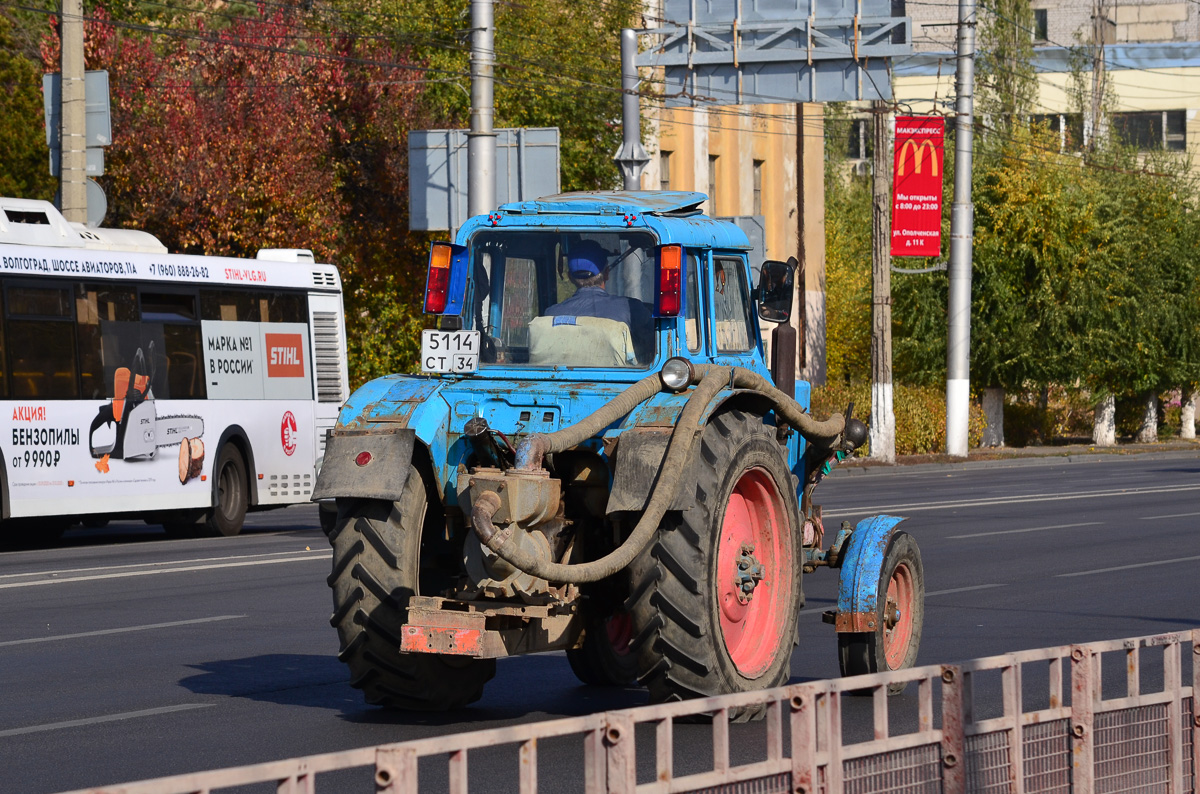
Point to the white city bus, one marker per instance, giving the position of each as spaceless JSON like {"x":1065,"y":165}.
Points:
{"x":181,"y":389}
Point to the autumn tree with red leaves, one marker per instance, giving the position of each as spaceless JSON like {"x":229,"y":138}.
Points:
{"x":271,"y":133}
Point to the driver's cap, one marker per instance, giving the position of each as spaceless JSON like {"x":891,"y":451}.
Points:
{"x":587,"y":259}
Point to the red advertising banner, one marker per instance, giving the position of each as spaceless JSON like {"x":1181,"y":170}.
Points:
{"x":917,"y":186}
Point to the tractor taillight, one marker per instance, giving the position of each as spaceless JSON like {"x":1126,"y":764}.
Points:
{"x":437,"y":284}
{"x":670,"y":281}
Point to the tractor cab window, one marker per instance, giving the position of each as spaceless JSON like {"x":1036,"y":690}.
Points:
{"x":731,"y":306}
{"x":571,"y":299}
{"x":691,"y":306}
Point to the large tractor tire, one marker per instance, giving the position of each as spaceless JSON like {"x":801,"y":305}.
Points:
{"x":376,"y":562}
{"x":605,"y":658}
{"x":901,"y":614}
{"x":715,"y":595}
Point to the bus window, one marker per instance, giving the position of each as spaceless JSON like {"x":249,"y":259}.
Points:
{"x":169,"y":322}
{"x":231,"y":306}
{"x":41,"y":342}
{"x":108,"y":335}
{"x":3,"y":366}
{"x":286,"y":307}
{"x":168,"y":306}
{"x":185,"y":362}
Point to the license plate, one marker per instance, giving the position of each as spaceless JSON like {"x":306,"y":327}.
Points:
{"x":453,"y":352}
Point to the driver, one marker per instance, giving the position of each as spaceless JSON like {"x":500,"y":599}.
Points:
{"x":587,"y":267}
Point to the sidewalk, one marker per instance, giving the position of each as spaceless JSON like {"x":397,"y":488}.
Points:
{"x":1005,"y":457}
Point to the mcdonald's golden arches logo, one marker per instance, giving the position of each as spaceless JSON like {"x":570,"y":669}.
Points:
{"x":917,"y":152}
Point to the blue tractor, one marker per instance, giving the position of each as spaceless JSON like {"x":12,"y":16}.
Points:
{"x":597,"y":458}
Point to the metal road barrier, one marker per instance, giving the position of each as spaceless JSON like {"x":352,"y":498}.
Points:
{"x":1067,"y":719}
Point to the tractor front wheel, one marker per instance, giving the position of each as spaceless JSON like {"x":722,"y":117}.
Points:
{"x":376,"y":561}
{"x":716,"y":593}
{"x":900,"y":615}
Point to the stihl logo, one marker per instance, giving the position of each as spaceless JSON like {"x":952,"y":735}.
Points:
{"x":285,"y":355}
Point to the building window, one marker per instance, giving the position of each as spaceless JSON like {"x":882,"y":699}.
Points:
{"x":1152,"y":130}
{"x":1174,"y":126}
{"x":664,"y":170}
{"x":712,"y":183}
{"x":898,"y":10}
{"x":1041,"y":25}
{"x":1069,"y":127}
{"x":859,"y":145}
{"x":758,"y":177}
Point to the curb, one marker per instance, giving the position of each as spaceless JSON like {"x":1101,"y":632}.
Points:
{"x":1013,"y":462}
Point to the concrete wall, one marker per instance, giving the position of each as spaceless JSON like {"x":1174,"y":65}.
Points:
{"x":1153,"y":21}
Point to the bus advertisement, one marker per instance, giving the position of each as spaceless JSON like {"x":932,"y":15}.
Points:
{"x":181,"y":389}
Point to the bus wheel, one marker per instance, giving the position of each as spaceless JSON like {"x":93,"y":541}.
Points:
{"x":376,"y":562}
{"x":229,"y":493}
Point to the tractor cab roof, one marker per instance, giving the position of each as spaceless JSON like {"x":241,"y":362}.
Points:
{"x":611,"y":202}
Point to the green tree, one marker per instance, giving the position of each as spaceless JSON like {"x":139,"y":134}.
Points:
{"x":847,"y":258}
{"x":557,"y":65}
{"x":1136,"y":314}
{"x":24,"y":159}
{"x":1007,"y":85}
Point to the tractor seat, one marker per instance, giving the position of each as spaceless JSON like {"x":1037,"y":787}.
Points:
{"x":571,"y":341}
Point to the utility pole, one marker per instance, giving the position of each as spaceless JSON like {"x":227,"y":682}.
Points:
{"x":481,"y":138}
{"x":883,"y":417}
{"x":1094,"y":130}
{"x":958,"y":348}
{"x":73,"y":113}
{"x":631,"y":158}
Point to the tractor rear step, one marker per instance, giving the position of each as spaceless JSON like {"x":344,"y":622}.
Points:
{"x":487,"y":631}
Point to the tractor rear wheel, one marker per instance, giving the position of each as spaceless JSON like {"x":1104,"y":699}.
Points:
{"x":376,"y":562}
{"x":901,"y":614}
{"x":716,"y":593}
{"x":605,"y":658}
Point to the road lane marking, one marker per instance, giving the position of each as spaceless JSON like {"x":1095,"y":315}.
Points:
{"x":1020,"y":531}
{"x":1006,"y":500}
{"x":1131,"y":566}
{"x":103,"y":632}
{"x":1173,"y":515}
{"x":183,"y":569}
{"x":962,"y":589}
{"x":128,"y":715}
{"x":147,"y":564}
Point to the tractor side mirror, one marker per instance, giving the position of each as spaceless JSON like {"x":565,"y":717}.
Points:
{"x":775,"y":291}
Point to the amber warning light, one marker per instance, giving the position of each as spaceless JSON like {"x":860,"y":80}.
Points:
{"x":670,"y":280}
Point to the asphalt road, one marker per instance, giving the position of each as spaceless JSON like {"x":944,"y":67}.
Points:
{"x":124,"y":655}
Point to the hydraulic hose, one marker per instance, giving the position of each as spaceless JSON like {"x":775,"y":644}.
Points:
{"x":710,"y":380}
{"x":822,"y":433}
{"x":670,"y":475}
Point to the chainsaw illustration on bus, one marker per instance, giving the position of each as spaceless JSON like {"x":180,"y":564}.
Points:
{"x":140,"y":432}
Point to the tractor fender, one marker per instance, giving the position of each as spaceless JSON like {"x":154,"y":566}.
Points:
{"x":366,"y":464}
{"x":642,"y":445}
{"x":861,"y":567}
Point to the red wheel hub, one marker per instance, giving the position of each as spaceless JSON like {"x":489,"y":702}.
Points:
{"x":754,"y":574}
{"x":619,"y":628}
{"x":898,"y":616}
